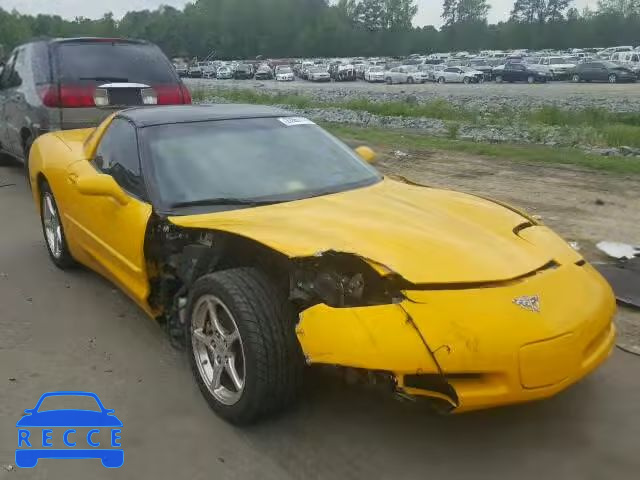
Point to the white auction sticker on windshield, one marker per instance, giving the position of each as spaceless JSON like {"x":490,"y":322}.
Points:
{"x":292,"y":121}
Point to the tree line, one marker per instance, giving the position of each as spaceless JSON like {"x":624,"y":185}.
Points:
{"x":309,"y":28}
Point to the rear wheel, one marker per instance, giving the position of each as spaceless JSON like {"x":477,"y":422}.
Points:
{"x":575,"y":78}
{"x":498,"y":78}
{"x":410,"y":80}
{"x":244,"y":353}
{"x":53,"y":229}
{"x":467,"y":80}
{"x":531,"y":79}
{"x":613,"y":78}
{"x":389,"y":81}
{"x":441,"y":80}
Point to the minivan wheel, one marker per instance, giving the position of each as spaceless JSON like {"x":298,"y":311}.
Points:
{"x":531,"y":79}
{"x":498,"y":78}
{"x":244,"y":353}
{"x":576,"y":78}
{"x":26,"y":151}
{"x":613,"y":78}
{"x":467,"y":80}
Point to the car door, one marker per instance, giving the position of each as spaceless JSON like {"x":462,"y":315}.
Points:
{"x":6,"y":95}
{"x":109,"y":232}
{"x":600,"y":72}
{"x":16,"y":109}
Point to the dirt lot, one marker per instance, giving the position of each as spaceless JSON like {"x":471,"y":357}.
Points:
{"x":66,"y":331}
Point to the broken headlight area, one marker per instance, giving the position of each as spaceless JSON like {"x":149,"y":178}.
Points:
{"x":341,"y":280}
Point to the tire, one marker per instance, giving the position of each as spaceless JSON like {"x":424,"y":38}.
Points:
{"x":59,"y":250}
{"x":410,"y":80}
{"x":575,"y":78}
{"x":466,"y":80}
{"x":272,"y":360}
{"x":613,"y":78}
{"x":441,"y":80}
{"x":498,"y":78}
{"x":388,"y":81}
{"x":531,"y":79}
{"x":27,"y":149}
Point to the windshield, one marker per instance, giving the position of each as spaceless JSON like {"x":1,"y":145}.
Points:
{"x":115,"y":62}
{"x":261,"y":159}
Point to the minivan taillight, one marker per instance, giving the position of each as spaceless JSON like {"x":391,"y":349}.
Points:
{"x":67,"y":96}
{"x":172,"y":94}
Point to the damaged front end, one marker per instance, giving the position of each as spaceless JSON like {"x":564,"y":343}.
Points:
{"x":349,"y":308}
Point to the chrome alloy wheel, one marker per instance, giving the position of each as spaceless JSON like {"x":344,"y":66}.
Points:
{"x":52,"y":226}
{"x":218,"y":350}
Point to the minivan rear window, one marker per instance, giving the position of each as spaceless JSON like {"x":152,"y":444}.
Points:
{"x":113,"y":62}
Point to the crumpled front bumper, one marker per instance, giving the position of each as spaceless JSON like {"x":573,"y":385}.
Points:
{"x":475,"y":348}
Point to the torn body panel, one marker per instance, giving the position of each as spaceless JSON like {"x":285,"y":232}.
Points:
{"x":478,"y":342}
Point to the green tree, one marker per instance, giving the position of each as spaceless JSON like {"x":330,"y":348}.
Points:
{"x":463,"y":11}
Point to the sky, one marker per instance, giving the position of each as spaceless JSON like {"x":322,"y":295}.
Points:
{"x":429,"y":11}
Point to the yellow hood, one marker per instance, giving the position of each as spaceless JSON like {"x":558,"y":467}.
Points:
{"x":425,"y":235}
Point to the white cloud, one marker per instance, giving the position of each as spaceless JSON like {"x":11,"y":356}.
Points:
{"x":428,"y":14}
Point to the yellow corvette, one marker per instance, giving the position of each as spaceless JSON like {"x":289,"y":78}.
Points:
{"x":265,"y":243}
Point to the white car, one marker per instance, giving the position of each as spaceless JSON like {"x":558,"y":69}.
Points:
{"x":558,"y":67}
{"x":460,"y":75}
{"x":224,"y":73}
{"x":284,"y":74}
{"x":319,"y":74}
{"x":374,"y":74}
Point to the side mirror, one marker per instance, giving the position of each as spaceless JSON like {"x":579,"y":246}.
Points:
{"x":366,"y":153}
{"x":102,"y":185}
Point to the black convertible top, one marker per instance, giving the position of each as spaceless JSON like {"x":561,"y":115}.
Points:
{"x":163,"y":115}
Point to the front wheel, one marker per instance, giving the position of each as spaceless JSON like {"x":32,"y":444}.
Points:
{"x":613,"y":78}
{"x":410,"y":80}
{"x":53,"y":229}
{"x":467,"y":80}
{"x":389,"y":81}
{"x":244,"y":352}
{"x":441,"y":80}
{"x":498,"y":78}
{"x":531,"y":79}
{"x":575,"y":78}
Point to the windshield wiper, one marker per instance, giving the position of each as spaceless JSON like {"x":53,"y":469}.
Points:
{"x":224,"y":201}
{"x":106,"y":79}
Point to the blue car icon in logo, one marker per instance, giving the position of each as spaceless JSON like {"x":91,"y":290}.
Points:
{"x":36,"y":428}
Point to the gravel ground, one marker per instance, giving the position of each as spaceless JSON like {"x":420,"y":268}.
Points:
{"x":486,"y":96}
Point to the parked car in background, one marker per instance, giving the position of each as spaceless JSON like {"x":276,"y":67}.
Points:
{"x":224,"y":73}
{"x":49,"y":85}
{"x":482,"y":65}
{"x":520,"y":72}
{"x":628,"y":59}
{"x":208,"y":69}
{"x":195,"y":71}
{"x":396,"y":75}
{"x":343,"y":72}
{"x":559,"y":67}
{"x":243,"y":72}
{"x":460,"y":75}
{"x":318,"y":74}
{"x":264,"y":72}
{"x":182,"y":69}
{"x":603,"y":71}
{"x":284,"y":74}
{"x":415,"y":74}
{"x":374,"y":74}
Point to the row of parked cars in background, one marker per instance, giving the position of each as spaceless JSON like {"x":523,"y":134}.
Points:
{"x":613,"y":65}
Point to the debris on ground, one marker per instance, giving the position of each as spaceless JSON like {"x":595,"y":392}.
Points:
{"x":12,"y":379}
{"x":619,"y":250}
{"x":599,"y":202}
{"x":624,"y":278}
{"x":8,"y":468}
{"x":574,"y":245}
{"x":400,"y":154}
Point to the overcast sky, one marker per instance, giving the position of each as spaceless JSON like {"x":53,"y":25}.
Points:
{"x":428,"y":10}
